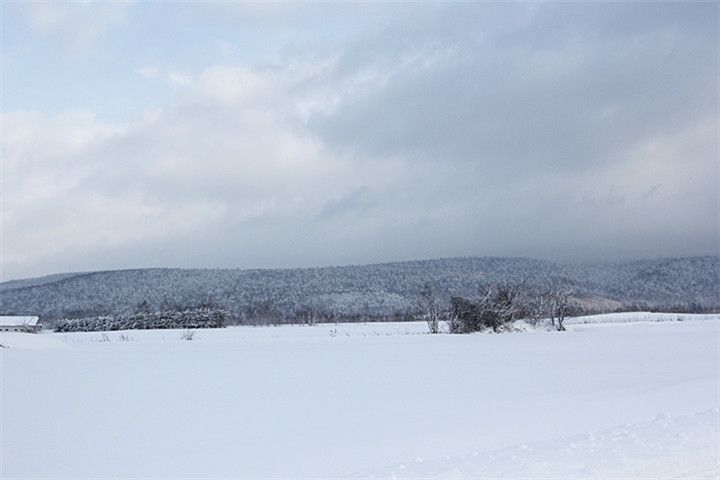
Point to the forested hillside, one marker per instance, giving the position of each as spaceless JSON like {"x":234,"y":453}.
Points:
{"x":380,"y":290}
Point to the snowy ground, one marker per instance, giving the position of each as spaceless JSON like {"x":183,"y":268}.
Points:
{"x":622,"y":400}
{"x":635,"y":317}
{"x":667,"y":447}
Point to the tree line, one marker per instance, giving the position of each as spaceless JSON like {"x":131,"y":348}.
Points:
{"x":204,"y":317}
{"x":494,"y":307}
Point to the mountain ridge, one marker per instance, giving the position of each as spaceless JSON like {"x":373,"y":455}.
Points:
{"x":374,"y":289}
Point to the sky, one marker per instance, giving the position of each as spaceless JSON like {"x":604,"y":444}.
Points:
{"x":223,"y":135}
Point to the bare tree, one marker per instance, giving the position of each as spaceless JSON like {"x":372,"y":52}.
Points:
{"x":560,"y":303}
{"x":430,"y":308}
{"x":263,"y":312}
{"x":306,"y":315}
{"x":535,"y":303}
{"x":501,"y":304}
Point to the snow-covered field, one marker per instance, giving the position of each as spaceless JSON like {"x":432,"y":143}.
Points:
{"x":634,"y":317}
{"x":635,"y":398}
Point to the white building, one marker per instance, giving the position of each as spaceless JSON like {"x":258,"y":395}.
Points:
{"x":19,"y":324}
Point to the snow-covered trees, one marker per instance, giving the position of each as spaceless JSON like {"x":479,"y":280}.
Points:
{"x":195,"y":318}
{"x":504,"y":303}
{"x":559,"y":302}
{"x":366,"y":292}
{"x":430,"y":308}
{"x":498,"y":306}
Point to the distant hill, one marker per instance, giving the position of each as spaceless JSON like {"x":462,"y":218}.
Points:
{"x":690,"y":283}
{"x":30,"y":282}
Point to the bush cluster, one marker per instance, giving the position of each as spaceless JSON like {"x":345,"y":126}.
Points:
{"x":507,"y":302}
{"x":497,"y":308}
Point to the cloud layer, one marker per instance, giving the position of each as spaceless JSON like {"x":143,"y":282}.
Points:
{"x":569,"y":131}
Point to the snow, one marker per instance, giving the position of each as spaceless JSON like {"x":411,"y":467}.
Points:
{"x":599,"y":400}
{"x":30,"y":341}
{"x":634,"y":317}
{"x":666,"y":447}
{"x":13,"y":321}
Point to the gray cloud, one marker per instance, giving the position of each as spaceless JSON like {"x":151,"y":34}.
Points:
{"x":568,"y":89}
{"x":355,"y":201}
{"x":565,"y":131}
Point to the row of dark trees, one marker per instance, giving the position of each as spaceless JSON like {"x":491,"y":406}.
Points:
{"x":204,"y":317}
{"x":210,"y":315}
{"x":494,"y":308}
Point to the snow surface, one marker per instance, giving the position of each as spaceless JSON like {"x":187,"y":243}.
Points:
{"x":366,"y":400}
{"x":13,"y":321}
{"x":667,"y":447}
{"x":634,"y":317}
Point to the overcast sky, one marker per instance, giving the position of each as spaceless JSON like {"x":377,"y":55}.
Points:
{"x":249,"y":135}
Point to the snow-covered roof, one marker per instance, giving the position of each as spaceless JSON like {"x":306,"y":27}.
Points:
{"x":11,"y":321}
